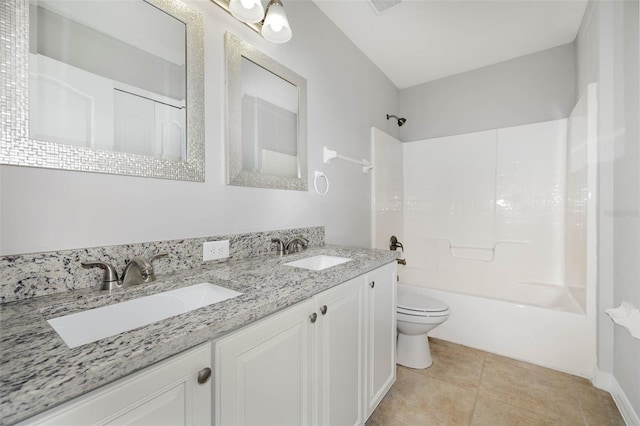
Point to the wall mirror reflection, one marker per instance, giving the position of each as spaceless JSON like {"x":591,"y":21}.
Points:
{"x":80,"y":94}
{"x":113,"y":86}
{"x":266,"y":102}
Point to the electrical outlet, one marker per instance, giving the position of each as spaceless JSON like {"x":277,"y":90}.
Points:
{"x":212,"y":250}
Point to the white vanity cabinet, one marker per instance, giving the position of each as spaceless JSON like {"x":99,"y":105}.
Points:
{"x":340,"y":342}
{"x":264,"y":372}
{"x":381,"y":334}
{"x":315,"y":363}
{"x":167,"y":393}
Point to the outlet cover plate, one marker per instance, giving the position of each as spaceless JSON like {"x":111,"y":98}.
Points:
{"x":213,"y":250}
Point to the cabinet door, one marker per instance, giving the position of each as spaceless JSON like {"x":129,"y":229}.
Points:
{"x":340,"y":343}
{"x":165,"y":394}
{"x":381,"y":334}
{"x":265,"y":371}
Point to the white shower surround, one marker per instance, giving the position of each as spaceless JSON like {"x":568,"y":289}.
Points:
{"x":490,"y":234}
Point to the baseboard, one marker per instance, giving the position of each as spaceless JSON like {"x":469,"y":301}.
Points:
{"x":601,"y":380}
{"x":608,"y":382}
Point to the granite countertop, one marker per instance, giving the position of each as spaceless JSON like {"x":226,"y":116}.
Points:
{"x":38,"y":371}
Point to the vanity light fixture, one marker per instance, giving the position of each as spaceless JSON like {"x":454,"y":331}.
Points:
{"x":274,"y":23}
{"x":249,"y":11}
{"x":276,"y":27}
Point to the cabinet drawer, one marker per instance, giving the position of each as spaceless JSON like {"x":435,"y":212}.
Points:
{"x":167,"y":393}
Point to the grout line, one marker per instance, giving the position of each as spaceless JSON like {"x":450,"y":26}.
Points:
{"x":475,"y":401}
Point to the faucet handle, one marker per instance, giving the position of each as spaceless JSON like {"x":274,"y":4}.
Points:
{"x":158,"y":255}
{"x":110,"y":278}
{"x":395,"y":244}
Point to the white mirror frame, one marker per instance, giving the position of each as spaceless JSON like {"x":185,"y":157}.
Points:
{"x":16,"y":148}
{"x":236,"y":49}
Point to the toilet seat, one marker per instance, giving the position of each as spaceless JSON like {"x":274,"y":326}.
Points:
{"x":424,"y":313}
{"x":420,"y":305}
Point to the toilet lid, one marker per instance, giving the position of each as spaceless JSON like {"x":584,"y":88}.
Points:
{"x":416,"y":302}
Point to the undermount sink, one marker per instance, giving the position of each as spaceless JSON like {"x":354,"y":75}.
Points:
{"x":95,"y":324}
{"x":318,"y":263}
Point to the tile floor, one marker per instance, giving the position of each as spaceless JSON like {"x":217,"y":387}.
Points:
{"x":466,"y":386}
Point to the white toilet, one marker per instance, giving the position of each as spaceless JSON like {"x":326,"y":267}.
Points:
{"x":417,"y":315}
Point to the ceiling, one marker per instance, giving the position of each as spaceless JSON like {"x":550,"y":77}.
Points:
{"x":423,"y":40}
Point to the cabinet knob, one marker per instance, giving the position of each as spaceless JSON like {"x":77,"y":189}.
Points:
{"x":313,"y":317}
{"x":203,"y":375}
{"x":323,"y":309}
{"x":372,"y":284}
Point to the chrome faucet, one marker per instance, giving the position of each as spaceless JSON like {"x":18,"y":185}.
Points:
{"x":138,"y":270}
{"x":293,"y":245}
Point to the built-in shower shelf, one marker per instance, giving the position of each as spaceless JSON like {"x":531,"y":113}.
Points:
{"x":483,"y":254}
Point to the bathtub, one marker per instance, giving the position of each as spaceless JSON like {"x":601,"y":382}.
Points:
{"x":534,"y":322}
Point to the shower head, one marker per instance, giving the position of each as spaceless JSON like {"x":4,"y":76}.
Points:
{"x":401,"y":120}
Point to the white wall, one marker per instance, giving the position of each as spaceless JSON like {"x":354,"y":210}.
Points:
{"x":529,"y":89}
{"x":46,"y":210}
{"x":587,"y":49}
{"x":608,"y":52}
{"x":626,"y":188}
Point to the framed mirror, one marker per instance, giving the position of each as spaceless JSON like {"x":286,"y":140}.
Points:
{"x":107,"y":86}
{"x":266,"y":120}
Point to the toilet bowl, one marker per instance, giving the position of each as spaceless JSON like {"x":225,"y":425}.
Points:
{"x":418,"y":314}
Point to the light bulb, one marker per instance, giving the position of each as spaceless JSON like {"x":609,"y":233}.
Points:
{"x":276,"y":25}
{"x":249,"y":11}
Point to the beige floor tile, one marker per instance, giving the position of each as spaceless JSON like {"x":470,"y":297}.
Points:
{"x":539,"y":409}
{"x":542,"y":372}
{"x":455,"y":364}
{"x":492,"y":412}
{"x":589,"y":394}
{"x":384,"y":417}
{"x":547,"y":393}
{"x":597,"y":405}
{"x":602,"y":415}
{"x":419,"y":400}
{"x":467,"y":386}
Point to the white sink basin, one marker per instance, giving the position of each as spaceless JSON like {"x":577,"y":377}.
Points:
{"x":318,"y":263}
{"x":95,"y":324}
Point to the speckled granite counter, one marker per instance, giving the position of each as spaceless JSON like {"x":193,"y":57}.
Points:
{"x":38,"y":371}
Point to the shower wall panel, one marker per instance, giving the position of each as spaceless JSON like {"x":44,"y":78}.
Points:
{"x":488,"y":206}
